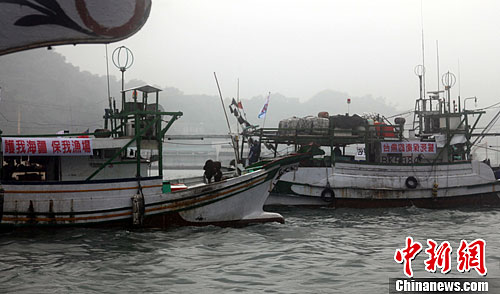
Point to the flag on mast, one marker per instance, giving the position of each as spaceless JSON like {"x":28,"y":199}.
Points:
{"x":264,"y":109}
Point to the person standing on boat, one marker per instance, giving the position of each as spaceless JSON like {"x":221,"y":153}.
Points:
{"x":337,"y":152}
{"x":254,"y":154}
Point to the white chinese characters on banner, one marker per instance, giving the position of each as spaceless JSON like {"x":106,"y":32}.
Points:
{"x":408,"y":147}
{"x":46,"y":146}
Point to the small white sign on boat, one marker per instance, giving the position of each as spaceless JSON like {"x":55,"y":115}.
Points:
{"x":408,"y":147}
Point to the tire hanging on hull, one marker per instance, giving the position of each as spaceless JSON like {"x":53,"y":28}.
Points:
{"x":328,"y":195}
{"x":411,"y":182}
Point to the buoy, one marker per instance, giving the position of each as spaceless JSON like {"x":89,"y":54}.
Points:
{"x":138,"y":210}
{"x":435,"y":190}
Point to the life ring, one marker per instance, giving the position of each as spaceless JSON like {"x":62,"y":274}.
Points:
{"x":411,"y":182}
{"x":328,"y":195}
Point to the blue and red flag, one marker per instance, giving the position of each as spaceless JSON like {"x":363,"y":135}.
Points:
{"x":264,"y":109}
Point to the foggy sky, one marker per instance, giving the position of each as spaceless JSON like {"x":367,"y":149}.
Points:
{"x":301,"y":47}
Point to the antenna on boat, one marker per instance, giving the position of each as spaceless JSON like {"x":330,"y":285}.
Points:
{"x":437,"y":60}
{"x":238,"y":101}
{"x":448,"y":80}
{"x":109,"y":91}
{"x":123,"y":64}
{"x":459,"y":110}
{"x":423,"y":51}
{"x":420,"y":104}
{"x":107,"y":75}
{"x":235,"y":147}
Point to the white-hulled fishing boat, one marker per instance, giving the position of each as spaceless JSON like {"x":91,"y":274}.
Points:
{"x":432,"y":167}
{"x":101,"y":178}
{"x":67,"y":180}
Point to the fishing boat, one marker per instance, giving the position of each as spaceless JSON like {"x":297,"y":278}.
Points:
{"x":431,"y":165}
{"x":104,"y":178}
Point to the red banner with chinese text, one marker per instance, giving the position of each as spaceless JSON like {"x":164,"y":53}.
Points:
{"x":408,"y":147}
{"x":46,"y":146}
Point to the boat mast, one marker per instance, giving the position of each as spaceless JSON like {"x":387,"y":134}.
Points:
{"x":420,"y":72}
{"x":233,"y":141}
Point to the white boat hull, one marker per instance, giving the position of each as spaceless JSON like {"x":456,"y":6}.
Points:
{"x":366,"y":185}
{"x":234,"y":201}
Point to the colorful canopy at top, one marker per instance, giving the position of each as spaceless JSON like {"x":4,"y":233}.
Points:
{"x":27,"y":24}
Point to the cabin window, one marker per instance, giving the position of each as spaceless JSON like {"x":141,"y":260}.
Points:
{"x":30,"y":168}
{"x":104,"y":153}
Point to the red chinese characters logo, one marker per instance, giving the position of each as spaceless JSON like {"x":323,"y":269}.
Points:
{"x":66,"y":146}
{"x":77,"y":147}
{"x":407,"y":254}
{"x":438,"y":256}
{"x":469,"y":256}
{"x":31,"y":146}
{"x":86,"y":146}
{"x":472,"y":256}
{"x":9,"y":147}
{"x":20,"y":147}
{"x":56,"y":147}
{"x":42,"y":147}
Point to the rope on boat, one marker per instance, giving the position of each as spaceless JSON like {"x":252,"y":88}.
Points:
{"x":328,"y":195}
{"x":138,"y":207}
{"x":2,"y":193}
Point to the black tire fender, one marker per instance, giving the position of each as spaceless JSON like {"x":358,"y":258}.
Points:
{"x":411,"y":182}
{"x":328,"y":195}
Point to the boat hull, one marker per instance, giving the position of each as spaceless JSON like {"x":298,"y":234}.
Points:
{"x":374,"y":186}
{"x":235,"y":201}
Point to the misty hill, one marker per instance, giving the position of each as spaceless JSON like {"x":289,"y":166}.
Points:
{"x":50,"y":94}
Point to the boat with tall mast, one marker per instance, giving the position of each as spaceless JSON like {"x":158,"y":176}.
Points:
{"x":103,"y":178}
{"x":429,"y":166}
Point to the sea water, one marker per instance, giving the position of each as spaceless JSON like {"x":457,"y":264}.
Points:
{"x":315,"y":251}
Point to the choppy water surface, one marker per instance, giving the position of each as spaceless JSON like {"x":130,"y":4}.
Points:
{"x":315,"y":251}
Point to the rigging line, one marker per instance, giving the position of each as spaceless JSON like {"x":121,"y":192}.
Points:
{"x":48,"y":127}
{"x":31,"y":103}
{"x":54,"y":125}
{"x":191,"y":144}
{"x":491,"y":106}
{"x":406,"y":112}
{"x":227,"y":119}
{"x":3,"y":116}
{"x":488,"y":148}
{"x":65,"y":109}
{"x":93,"y":123}
{"x":487,"y":128}
{"x":35,"y":122}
